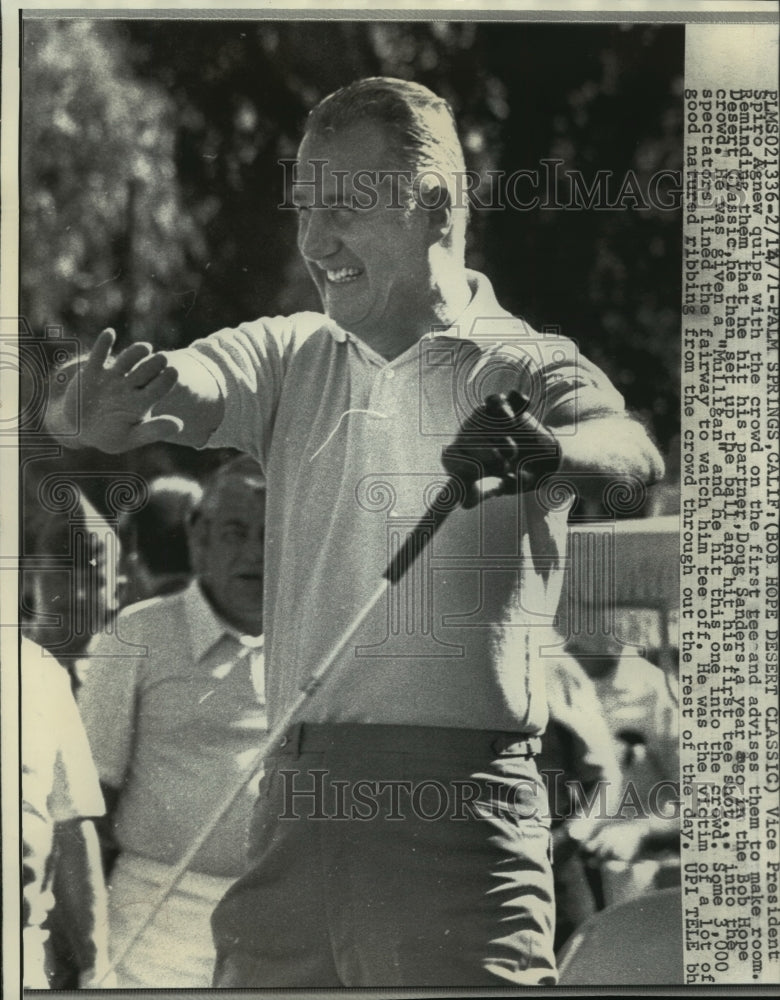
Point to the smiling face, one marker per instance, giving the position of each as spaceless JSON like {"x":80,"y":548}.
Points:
{"x":370,"y":262}
{"x":226,"y":544}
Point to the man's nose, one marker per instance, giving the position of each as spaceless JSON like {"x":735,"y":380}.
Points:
{"x":317,"y":236}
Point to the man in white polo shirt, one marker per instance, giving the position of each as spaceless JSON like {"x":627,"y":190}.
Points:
{"x":173,"y":724}
{"x":400,"y":838}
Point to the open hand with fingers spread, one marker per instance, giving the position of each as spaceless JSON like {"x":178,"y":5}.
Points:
{"x":108,"y":399}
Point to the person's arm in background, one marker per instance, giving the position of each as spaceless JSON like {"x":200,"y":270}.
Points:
{"x":81,"y":910}
{"x":625,"y":839}
{"x":104,"y":825}
{"x":80,"y":892}
{"x":136,"y":397}
{"x":84,"y":848}
{"x":104,"y":722}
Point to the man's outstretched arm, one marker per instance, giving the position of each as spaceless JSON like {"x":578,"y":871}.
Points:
{"x":115,"y":402}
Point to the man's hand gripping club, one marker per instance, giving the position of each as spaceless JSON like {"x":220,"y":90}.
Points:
{"x":500,"y":449}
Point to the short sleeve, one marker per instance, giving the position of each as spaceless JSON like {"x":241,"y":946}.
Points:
{"x":562,"y":385}
{"x":574,"y":388}
{"x":249,"y":364}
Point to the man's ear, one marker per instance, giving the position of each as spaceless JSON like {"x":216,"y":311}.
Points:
{"x":437,"y":208}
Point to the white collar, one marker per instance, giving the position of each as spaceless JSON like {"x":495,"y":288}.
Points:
{"x":483,"y":305}
{"x":207,"y":627}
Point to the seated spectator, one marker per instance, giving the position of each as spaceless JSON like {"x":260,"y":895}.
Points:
{"x":60,"y":795}
{"x":176,"y":723}
{"x":581,"y":770}
{"x":155,"y":553}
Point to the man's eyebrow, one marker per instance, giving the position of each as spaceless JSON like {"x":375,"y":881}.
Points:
{"x":304,"y":197}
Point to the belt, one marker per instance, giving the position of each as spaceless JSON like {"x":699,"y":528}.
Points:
{"x":434,"y":741}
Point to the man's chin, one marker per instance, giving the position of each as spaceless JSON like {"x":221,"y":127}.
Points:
{"x":252,"y":622}
{"x":248,"y":599}
{"x":350,"y":319}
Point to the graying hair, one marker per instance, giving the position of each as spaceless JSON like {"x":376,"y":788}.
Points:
{"x":421,"y":124}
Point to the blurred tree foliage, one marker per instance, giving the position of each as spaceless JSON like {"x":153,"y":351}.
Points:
{"x":104,"y":237}
{"x":151,"y":177}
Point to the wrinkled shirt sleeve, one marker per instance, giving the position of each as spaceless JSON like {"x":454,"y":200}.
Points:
{"x":249,"y":364}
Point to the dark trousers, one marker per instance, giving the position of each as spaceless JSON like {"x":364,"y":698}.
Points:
{"x":393,"y":856}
